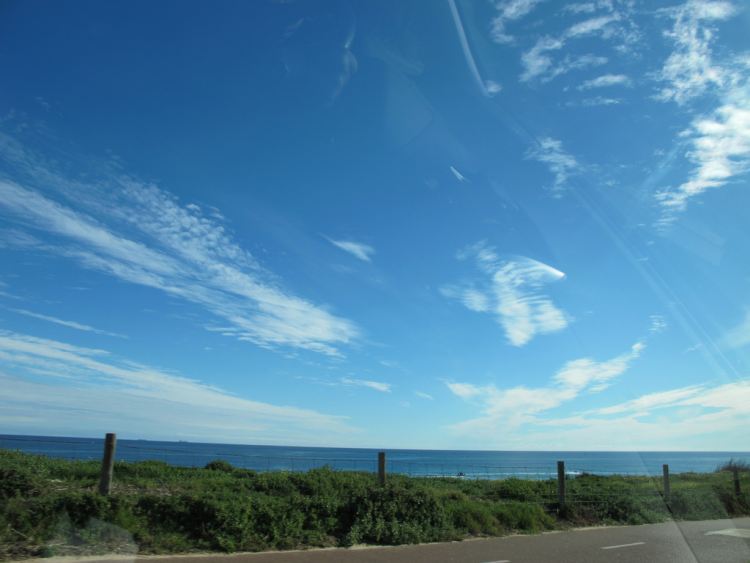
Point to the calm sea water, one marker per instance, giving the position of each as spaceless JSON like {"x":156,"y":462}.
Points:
{"x":479,"y":464}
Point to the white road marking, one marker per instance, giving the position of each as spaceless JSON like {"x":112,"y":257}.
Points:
{"x":624,"y":545}
{"x":734,"y":532}
{"x":501,"y":561}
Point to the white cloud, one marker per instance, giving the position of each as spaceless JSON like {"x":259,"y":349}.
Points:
{"x":492,"y":87}
{"x":511,"y":408}
{"x":720,"y":151}
{"x":536,"y":62}
{"x":689,"y":70}
{"x":596,"y":101}
{"x":581,"y":8}
{"x":104,"y":393}
{"x":539,"y":63}
{"x":646,"y":403}
{"x":509,"y":11}
{"x":423,"y":395}
{"x":460,"y":177}
{"x":61,"y":322}
{"x":719,"y":140}
{"x":698,"y":416}
{"x":463,"y":390}
{"x":587,"y":373}
{"x":475,"y":300}
{"x":4,"y":285}
{"x":512,"y":292}
{"x":568,"y":64}
{"x":600,"y":101}
{"x":606,"y":80}
{"x":349,"y":65}
{"x":359,"y":250}
{"x":738,"y":336}
{"x":598,"y":25}
{"x":376,"y":385}
{"x":733,"y":396}
{"x":658,"y":324}
{"x":140,"y":234}
{"x":561,"y":163}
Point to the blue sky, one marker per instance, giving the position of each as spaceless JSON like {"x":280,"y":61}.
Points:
{"x":518,"y":224}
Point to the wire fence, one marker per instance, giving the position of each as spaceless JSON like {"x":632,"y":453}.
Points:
{"x":579,"y":482}
{"x":196,"y":456}
{"x":590,"y":491}
{"x":129,"y":452}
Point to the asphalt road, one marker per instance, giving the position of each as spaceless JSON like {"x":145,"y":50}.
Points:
{"x":711,"y":541}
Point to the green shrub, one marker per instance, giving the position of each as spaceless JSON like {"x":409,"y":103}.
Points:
{"x":735,"y":464}
{"x":394,"y":515}
{"x":470,"y":517}
{"x":49,"y":506}
{"x":522,"y":517}
{"x":15,"y":483}
{"x":697,"y":504}
{"x":220,"y":465}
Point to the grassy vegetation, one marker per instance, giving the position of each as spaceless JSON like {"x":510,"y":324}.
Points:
{"x":50,"y":506}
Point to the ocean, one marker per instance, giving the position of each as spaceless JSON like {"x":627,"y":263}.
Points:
{"x":467,"y":464}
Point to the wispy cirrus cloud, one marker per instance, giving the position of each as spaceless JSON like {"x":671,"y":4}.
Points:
{"x":599,"y":25}
{"x":595,"y":101}
{"x":539,"y":62}
{"x":511,"y":291}
{"x":587,"y":7}
{"x":359,"y":250}
{"x":718,"y":141}
{"x":423,"y":395}
{"x":719,"y":151}
{"x":690,"y":70}
{"x":345,"y":381}
{"x":375,"y":385}
{"x":608,"y":21}
{"x":658,"y":324}
{"x":605,"y":81}
{"x":650,"y":401}
{"x":515,"y":406}
{"x":562,"y":164}
{"x":712,"y":416}
{"x":349,"y":64}
{"x":69,"y":324}
{"x":585,"y":373}
{"x":139,"y":233}
{"x":509,"y":11}
{"x":493,"y":87}
{"x":460,"y":177}
{"x":101,"y":392}
{"x":4,"y":286}
{"x":463,"y":390}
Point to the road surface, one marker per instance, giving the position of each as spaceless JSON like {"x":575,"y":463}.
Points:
{"x":711,"y":541}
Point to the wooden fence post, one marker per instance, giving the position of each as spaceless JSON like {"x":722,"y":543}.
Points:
{"x":381,"y":468}
{"x":561,"y":484}
{"x":108,"y":460}
{"x":667,"y":489}
{"x":736,"y":477}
